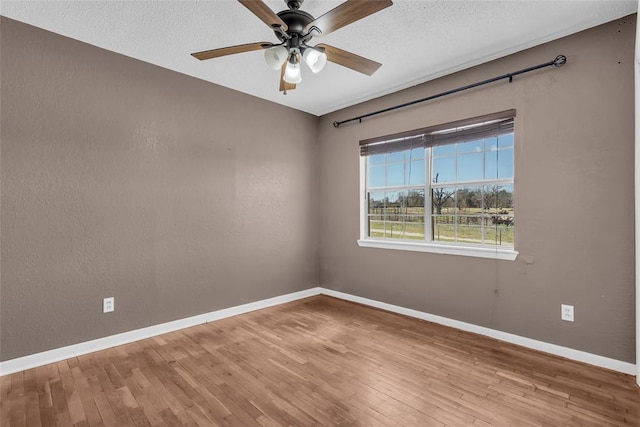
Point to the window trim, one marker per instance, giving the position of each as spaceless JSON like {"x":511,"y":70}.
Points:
{"x":440,"y":248}
{"x":509,"y":254}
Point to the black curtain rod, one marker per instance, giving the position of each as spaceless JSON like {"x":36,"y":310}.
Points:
{"x":558,"y":62}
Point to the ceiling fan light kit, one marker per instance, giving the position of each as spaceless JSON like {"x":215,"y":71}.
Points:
{"x":292,"y":73}
{"x":314,"y":58}
{"x":295,"y":28}
{"x":276,"y":56}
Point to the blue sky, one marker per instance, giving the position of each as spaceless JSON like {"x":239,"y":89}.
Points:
{"x":453,"y":163}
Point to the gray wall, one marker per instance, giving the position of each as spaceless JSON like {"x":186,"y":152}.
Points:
{"x":124,"y":179}
{"x":573,"y":199}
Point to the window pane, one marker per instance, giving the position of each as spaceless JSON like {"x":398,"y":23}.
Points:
{"x":417,"y":153}
{"x":491,"y":144}
{"x":414,"y":227}
{"x":395,"y":175}
{"x":397,"y":227}
{"x":416,"y":200}
{"x":505,"y":163}
{"x":443,"y":200}
{"x":470,"y":167}
{"x":471,"y":147}
{"x":500,"y":213}
{"x":491,"y":164}
{"x":469,"y":229}
{"x":498,"y":198}
{"x":469,"y":200}
{"x":394,"y":205}
{"x":405,"y":227}
{"x":499,"y":235}
{"x":376,"y":176}
{"x":444,"y":170}
{"x":393,"y":198}
{"x":443,"y":227}
{"x":444,"y":150}
{"x":393,"y":228}
{"x":416,"y":173}
{"x":499,"y":228}
{"x":507,"y":200}
{"x":491,"y":198}
{"x":395,"y":157}
{"x":376,"y":226}
{"x":376,"y":203}
{"x":376,"y":159}
{"x":505,"y":141}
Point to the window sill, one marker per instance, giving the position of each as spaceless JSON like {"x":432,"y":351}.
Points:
{"x":436,"y":248}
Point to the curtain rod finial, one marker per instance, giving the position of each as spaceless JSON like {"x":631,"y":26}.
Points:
{"x":560,"y":60}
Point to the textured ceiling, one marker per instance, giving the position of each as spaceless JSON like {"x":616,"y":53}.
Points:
{"x":415,"y":40}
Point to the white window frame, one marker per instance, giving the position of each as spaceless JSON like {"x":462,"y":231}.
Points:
{"x":425,"y":246}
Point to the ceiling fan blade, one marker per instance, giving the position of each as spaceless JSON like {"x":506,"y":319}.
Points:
{"x":350,"y":60}
{"x":264,"y":13}
{"x":284,"y":86}
{"x":348,"y":12}
{"x":230,"y":50}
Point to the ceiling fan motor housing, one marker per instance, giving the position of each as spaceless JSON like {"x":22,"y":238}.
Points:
{"x":297,"y":21}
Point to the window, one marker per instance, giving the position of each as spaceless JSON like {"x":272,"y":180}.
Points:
{"x":447,"y":188}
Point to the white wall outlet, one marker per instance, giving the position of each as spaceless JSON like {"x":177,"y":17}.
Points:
{"x":567,"y":313}
{"x":108,"y":305}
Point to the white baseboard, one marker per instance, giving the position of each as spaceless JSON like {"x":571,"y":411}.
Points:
{"x":569,"y":353}
{"x":55,"y":355}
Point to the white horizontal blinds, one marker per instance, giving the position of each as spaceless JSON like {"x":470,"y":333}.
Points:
{"x":469,"y":133}
{"x":448,"y":133}
{"x":392,"y":146}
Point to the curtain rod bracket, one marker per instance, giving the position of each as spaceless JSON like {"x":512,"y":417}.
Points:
{"x":559,"y":61}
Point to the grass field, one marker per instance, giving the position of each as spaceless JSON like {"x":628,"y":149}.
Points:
{"x":500,"y":235}
{"x":396,"y":230}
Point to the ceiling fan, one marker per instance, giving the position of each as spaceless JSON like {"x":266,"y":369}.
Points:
{"x":295,"y":28}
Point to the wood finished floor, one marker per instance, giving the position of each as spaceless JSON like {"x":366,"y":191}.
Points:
{"x":318,"y":361}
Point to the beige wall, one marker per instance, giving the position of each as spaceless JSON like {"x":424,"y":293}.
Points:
{"x":124,"y":179}
{"x":573,"y":196}
{"x":119,"y":178}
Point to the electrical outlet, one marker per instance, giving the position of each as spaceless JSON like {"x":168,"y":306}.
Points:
{"x":108,"y":305}
{"x":567,"y":313}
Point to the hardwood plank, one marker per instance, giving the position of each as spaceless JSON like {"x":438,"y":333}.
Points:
{"x":32,"y":408}
{"x":85,"y":392}
{"x":17,"y":398}
{"x":318,"y":361}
